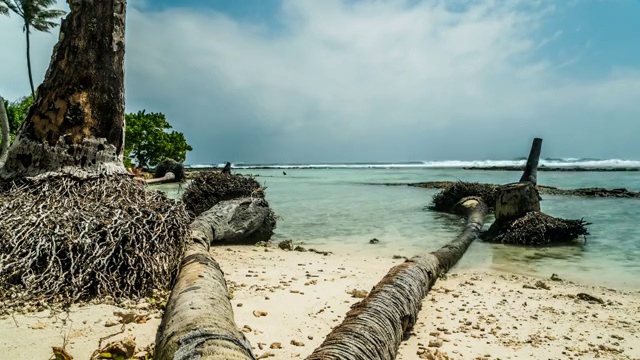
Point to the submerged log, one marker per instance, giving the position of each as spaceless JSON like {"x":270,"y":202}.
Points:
{"x":374,"y":328}
{"x":198,"y":322}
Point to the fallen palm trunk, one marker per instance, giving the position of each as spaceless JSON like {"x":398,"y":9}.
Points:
{"x":374,"y":328}
{"x":198,"y":322}
{"x":243,"y":220}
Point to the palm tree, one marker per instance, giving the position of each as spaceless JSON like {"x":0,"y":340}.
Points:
{"x":36,"y":15}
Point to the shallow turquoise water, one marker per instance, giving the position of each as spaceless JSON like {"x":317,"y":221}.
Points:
{"x":334,"y":209}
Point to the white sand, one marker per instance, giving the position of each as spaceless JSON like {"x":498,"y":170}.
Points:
{"x":469,"y":315}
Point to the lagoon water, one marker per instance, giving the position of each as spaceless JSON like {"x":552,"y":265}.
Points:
{"x":337,"y":209}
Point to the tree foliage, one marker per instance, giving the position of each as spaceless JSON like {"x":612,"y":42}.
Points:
{"x":17,"y":112}
{"x":148,"y":141}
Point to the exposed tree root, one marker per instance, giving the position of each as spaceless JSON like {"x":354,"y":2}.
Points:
{"x":453,"y":192}
{"x":210,"y":188}
{"x":171,"y":166}
{"x":64,"y":240}
{"x":536,"y":229}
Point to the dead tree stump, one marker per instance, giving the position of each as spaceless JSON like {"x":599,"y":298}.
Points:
{"x":515,"y":200}
{"x":519,"y":220}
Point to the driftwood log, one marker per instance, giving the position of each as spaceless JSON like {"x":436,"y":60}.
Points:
{"x":375,"y":327}
{"x":198,"y":322}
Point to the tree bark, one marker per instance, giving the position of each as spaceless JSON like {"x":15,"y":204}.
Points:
{"x":4,"y":123}
{"x":27,"y":32}
{"x":515,"y":200}
{"x":374,"y":328}
{"x":531,"y":169}
{"x":76,"y":124}
{"x":198,"y":322}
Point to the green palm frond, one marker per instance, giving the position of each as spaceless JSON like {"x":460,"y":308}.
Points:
{"x":9,"y":5}
{"x":35,"y":13}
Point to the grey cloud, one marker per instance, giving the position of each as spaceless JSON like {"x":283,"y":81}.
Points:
{"x":340,"y":80}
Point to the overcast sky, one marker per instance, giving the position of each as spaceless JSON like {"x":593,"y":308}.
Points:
{"x":366,"y":80}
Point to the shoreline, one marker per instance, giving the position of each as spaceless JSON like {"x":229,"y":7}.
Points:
{"x":305,"y":294}
{"x":396,"y":167}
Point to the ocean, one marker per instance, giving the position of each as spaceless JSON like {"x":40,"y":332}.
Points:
{"x":335,"y":207}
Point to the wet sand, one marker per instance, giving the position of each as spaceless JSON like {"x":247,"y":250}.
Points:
{"x":468,"y":315}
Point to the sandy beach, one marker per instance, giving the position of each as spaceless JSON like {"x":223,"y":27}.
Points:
{"x":287,"y":301}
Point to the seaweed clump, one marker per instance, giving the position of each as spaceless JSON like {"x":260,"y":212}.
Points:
{"x":172,"y":166}
{"x":536,"y":229}
{"x":451,"y":195}
{"x":209,"y":188}
{"x":64,"y":240}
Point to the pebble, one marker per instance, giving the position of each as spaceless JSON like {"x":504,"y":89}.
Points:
{"x":435,"y":343}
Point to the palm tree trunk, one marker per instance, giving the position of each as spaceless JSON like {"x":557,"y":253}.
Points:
{"x":4,"y":123}
{"x":76,"y":124}
{"x":374,"y":328}
{"x":27,"y":31}
{"x":198,"y":321}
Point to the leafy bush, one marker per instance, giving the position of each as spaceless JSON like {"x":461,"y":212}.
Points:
{"x":148,"y":142}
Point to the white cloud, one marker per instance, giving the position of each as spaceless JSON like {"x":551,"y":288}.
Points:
{"x":354,"y":80}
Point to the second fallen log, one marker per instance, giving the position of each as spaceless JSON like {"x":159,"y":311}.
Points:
{"x":375,"y":327}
